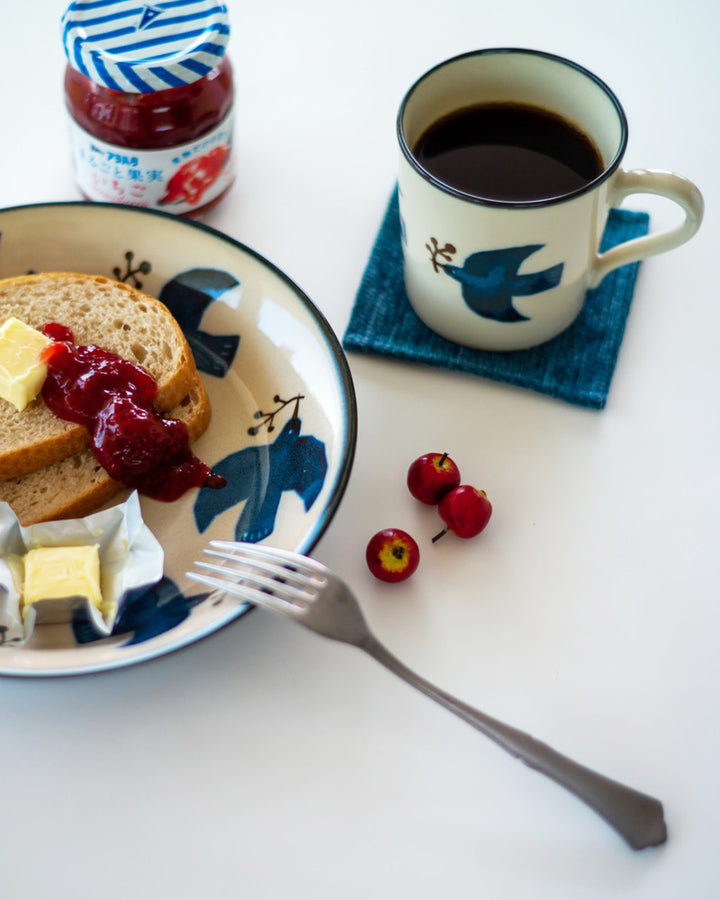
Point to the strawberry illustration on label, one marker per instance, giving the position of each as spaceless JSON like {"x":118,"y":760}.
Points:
{"x":193,"y":178}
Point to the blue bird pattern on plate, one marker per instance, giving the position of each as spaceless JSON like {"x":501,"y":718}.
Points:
{"x":295,"y":462}
{"x":144,"y":613}
{"x":188,"y":296}
{"x":257,"y":474}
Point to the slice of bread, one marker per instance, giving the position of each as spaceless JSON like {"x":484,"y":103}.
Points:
{"x":77,"y":485}
{"x":98,"y":311}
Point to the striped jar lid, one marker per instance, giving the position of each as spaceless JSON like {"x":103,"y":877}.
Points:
{"x":139,"y":47}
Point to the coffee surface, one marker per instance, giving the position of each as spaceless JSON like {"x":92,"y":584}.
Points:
{"x":508,"y":152}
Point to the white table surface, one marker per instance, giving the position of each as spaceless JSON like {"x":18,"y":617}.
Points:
{"x":264,"y":762}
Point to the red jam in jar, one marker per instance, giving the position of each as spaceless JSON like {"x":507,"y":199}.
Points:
{"x":149,"y":91}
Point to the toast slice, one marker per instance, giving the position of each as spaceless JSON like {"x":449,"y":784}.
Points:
{"x":98,"y":311}
{"x":77,"y":485}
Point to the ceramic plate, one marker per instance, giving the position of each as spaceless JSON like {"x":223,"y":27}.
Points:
{"x":283,"y":427}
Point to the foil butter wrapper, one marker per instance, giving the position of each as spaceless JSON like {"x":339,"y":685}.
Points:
{"x":130,"y":557}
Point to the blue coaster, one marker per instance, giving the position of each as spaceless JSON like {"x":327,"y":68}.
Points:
{"x":576,"y":366}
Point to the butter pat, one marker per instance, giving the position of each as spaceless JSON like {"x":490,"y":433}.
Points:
{"x":59,"y":573}
{"x":21,"y":372}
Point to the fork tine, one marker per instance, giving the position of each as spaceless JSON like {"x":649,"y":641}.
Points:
{"x":247,"y":593}
{"x":245,"y":565}
{"x":291,"y":593}
{"x":240,"y":550}
{"x":280,"y":580}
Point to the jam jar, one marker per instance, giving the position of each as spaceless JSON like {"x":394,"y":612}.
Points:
{"x":149,"y":90}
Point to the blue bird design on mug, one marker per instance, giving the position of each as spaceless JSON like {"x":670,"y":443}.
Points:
{"x":489,"y":279}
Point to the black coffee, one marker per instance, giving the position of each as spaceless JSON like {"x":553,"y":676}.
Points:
{"x":508,"y":151}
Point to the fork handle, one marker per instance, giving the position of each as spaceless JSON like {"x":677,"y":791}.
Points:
{"x":636,"y":816}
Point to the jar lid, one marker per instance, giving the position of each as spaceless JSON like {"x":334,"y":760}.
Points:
{"x":141,"y":47}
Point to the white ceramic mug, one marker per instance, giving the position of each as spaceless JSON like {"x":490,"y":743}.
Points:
{"x":456,"y":246}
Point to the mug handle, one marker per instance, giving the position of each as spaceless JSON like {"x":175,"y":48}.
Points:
{"x":665,"y":184}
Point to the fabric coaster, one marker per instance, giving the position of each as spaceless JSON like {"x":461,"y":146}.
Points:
{"x":576,"y":366}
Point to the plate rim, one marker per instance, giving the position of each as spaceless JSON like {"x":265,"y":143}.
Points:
{"x":348,"y":395}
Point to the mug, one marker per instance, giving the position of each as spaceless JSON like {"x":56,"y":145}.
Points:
{"x":510,"y":272}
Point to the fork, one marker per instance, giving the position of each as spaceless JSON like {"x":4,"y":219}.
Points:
{"x":314,"y":596}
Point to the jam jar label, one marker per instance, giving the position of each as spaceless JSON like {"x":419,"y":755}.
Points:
{"x":174,"y":179}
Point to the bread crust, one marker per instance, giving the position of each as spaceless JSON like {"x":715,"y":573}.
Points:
{"x":100,"y":311}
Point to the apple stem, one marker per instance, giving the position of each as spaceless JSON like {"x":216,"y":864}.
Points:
{"x":439,"y":535}
{"x":442,"y":460}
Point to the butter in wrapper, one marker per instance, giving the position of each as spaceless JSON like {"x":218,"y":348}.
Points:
{"x":58,"y":580}
{"x":129,"y":554}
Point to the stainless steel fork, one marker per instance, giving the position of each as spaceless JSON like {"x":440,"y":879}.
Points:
{"x":312,"y":595}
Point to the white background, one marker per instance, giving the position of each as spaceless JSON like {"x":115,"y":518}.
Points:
{"x":264,"y":762}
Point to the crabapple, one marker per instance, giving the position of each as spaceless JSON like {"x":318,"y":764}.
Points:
{"x":392,"y":555}
{"x":465,"y":511}
{"x":431,"y":476}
